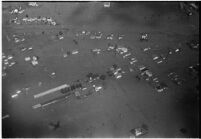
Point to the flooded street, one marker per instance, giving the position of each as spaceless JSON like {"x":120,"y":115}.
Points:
{"x":95,"y":69}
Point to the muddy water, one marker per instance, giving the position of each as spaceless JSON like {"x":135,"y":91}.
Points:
{"x":125,"y":103}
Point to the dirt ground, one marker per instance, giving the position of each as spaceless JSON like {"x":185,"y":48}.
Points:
{"x":123,"y":104}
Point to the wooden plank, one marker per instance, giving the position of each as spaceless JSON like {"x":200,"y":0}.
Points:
{"x":51,"y":91}
{"x":49,"y":102}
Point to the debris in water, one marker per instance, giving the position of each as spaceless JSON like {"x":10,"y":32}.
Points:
{"x":120,"y":37}
{"x":97,"y":88}
{"x":14,"y":96}
{"x":160,"y":87}
{"x":139,"y":131}
{"x":132,"y":60}
{"x":75,"y":52}
{"x":183,"y":130}
{"x":39,"y":83}
{"x":146,"y":49}
{"x":106,"y":4}
{"x":174,"y":77}
{"x":77,"y":94}
{"x":96,"y":51}
{"x":34,"y":4}
{"x":27,"y":58}
{"x":144,"y":37}
{"x":193,"y":45}
{"x":126,"y":55}
{"x":54,"y":126}
{"x":34,"y":63}
{"x":5,"y":116}
{"x":18,"y":91}
{"x":110,"y":37}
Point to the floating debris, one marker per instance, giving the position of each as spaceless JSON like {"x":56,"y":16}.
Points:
{"x":77,"y":95}
{"x":144,"y":37}
{"x":92,"y":76}
{"x":53,"y":74}
{"x":155,"y":57}
{"x":15,"y":21}
{"x":65,"y":55}
{"x":194,"y":70}
{"x":11,"y":64}
{"x":147,"y":73}
{"x":133,"y":60}
{"x":54,"y":126}
{"x":131,"y":69}
{"x":6,"y":116}
{"x":27,"y":58}
{"x":9,"y":57}
{"x":14,"y":96}
{"x":96,"y":51}
{"x":158,"y":58}
{"x":26,"y":89}
{"x":122,"y":50}
{"x":23,"y":49}
{"x":120,"y":37}
{"x":82,"y":33}
{"x":155,"y":80}
{"x":160,"y":87}
{"x":30,"y":48}
{"x":115,"y":71}
{"x":174,"y":77}
{"x":34,"y":61}
{"x":106,"y":4}
{"x":39,"y":84}
{"x":4,"y":74}
{"x":60,"y":37}
{"x":74,"y":52}
{"x":8,"y":61}
{"x":127,"y":55}
{"x":17,"y":40}
{"x":92,"y":36}
{"x":193,"y":45}
{"x":33,"y":4}
{"x":177,"y":50}
{"x":139,"y":131}
{"x":146,"y":49}
{"x":189,"y":7}
{"x":18,"y":91}
{"x":98,"y":35}
{"x":84,"y":88}
{"x":142,"y":68}
{"x":110,"y":37}
{"x":42,"y":20}
{"x":110,"y":47}
{"x":18,"y":10}
{"x":97,"y":88}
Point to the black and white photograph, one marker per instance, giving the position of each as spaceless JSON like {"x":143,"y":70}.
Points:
{"x":100,"y":69}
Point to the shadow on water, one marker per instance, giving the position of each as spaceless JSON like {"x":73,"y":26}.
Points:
{"x":123,"y":13}
{"x":119,"y":12}
{"x":162,"y":8}
{"x":189,"y":108}
{"x":20,"y":130}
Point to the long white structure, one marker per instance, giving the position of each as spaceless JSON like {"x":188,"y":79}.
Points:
{"x":51,"y":91}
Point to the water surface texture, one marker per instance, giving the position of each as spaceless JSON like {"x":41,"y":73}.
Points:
{"x":127,"y":65}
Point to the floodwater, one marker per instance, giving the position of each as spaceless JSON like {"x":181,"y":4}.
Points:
{"x":124,"y":103}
